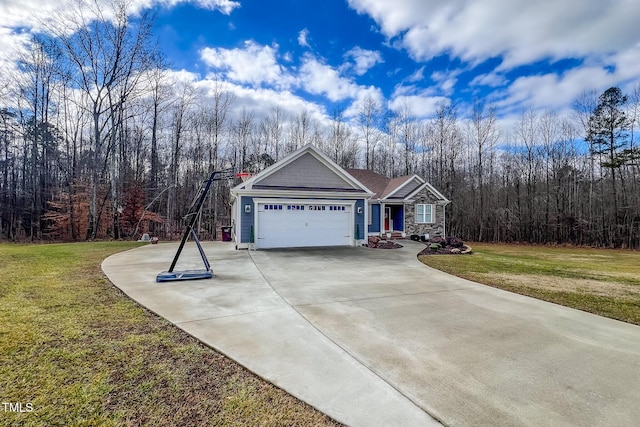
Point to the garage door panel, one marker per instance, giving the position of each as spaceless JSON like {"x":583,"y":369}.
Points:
{"x":297,"y":225}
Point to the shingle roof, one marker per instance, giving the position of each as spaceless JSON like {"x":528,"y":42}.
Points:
{"x":381,"y":185}
{"x":395,"y":183}
{"x":373,"y":181}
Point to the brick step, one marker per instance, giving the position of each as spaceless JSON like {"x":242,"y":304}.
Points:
{"x":395,"y":235}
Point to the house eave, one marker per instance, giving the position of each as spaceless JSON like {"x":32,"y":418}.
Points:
{"x":309,"y":148}
{"x":433,"y":191}
{"x":301,"y":194}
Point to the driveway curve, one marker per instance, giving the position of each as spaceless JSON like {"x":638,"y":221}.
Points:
{"x":374,"y":337}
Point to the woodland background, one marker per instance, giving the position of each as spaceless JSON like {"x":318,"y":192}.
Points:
{"x":98,"y":141}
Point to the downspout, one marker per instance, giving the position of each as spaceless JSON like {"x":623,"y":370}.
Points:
{"x":234,"y":217}
{"x":444,"y":220}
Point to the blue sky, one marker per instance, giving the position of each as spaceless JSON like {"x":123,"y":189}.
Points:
{"x":320,"y":56}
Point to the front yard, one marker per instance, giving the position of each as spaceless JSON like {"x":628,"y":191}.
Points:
{"x":601,"y":281}
{"x":75,"y":351}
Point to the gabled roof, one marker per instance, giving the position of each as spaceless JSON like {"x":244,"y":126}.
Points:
{"x":306,"y":169}
{"x":374,"y":181}
{"x":385,"y":188}
{"x":381,"y":185}
{"x":432,"y":189}
{"x":407,"y":182}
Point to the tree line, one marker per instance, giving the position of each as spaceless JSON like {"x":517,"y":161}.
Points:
{"x":99,"y":140}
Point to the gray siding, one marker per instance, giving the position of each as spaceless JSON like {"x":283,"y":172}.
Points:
{"x":305,"y":172}
{"x":409,"y":188}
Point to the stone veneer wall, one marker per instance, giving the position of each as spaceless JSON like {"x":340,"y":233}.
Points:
{"x":411,"y":227}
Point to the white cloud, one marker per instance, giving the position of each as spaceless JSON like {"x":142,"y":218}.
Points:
{"x":260,"y":101}
{"x":321,"y":79}
{"x":627,"y":63}
{"x":32,"y":13}
{"x":224,"y":6}
{"x":417,"y":76}
{"x":446,"y":80}
{"x":28,"y":13}
{"x":363,"y":59}
{"x":20,"y":18}
{"x":553,"y":91}
{"x":253,"y":64}
{"x":602,"y":37}
{"x":519,"y":31}
{"x":363,"y":93}
{"x":422,"y":103}
{"x":490,"y":79}
{"x":559,"y":90}
{"x":302,"y":38}
{"x":256,"y":68}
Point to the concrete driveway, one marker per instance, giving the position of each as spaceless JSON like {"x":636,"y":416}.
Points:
{"x":373,"y":337}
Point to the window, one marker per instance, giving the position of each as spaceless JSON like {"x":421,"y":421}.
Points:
{"x":272,"y":207}
{"x":424,"y":214}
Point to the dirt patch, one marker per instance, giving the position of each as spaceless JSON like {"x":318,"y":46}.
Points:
{"x":560,"y":284}
{"x":606,"y":275}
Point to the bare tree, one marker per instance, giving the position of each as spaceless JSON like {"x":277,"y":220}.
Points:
{"x":300,"y":131}
{"x":106,"y":55}
{"x":482,"y":135}
{"x":370,"y":116}
{"x":583,"y":108}
{"x":218,"y":111}
{"x":184,"y":102}
{"x":39,"y":78}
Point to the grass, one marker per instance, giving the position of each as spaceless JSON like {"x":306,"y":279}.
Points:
{"x":83,"y":354}
{"x":601,"y":281}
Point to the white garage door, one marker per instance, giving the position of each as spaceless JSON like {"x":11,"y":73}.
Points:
{"x":289,"y":225}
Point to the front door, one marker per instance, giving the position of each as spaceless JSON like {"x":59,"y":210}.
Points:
{"x":388,"y":224}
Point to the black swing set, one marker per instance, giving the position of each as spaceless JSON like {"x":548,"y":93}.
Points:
{"x":192,"y":216}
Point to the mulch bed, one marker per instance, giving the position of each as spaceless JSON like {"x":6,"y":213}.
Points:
{"x":378,"y":243}
{"x":446,"y":250}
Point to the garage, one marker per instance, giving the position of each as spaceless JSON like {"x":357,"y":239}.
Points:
{"x":303,"y":200}
{"x":292,"y":224}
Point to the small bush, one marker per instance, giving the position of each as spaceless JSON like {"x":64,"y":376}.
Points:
{"x":439,"y":240}
{"x":435,"y":247}
{"x":455,"y":242}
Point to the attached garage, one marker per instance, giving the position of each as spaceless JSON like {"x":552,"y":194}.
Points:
{"x":281,"y":224}
{"x":303,"y":200}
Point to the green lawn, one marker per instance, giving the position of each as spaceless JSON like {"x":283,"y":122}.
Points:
{"x":600,"y":281}
{"x":82,"y":354}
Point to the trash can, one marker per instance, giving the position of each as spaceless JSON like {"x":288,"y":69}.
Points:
{"x":226,"y":234}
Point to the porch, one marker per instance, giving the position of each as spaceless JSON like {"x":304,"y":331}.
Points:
{"x":387,"y":218}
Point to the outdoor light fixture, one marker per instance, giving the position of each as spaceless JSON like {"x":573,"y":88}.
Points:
{"x":359,"y":209}
{"x":247,"y":208}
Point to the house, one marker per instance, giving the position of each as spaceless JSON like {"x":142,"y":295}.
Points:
{"x":406,"y":205}
{"x":306,"y":199}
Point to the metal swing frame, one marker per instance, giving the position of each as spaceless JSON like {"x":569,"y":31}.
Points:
{"x":192,"y":215}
